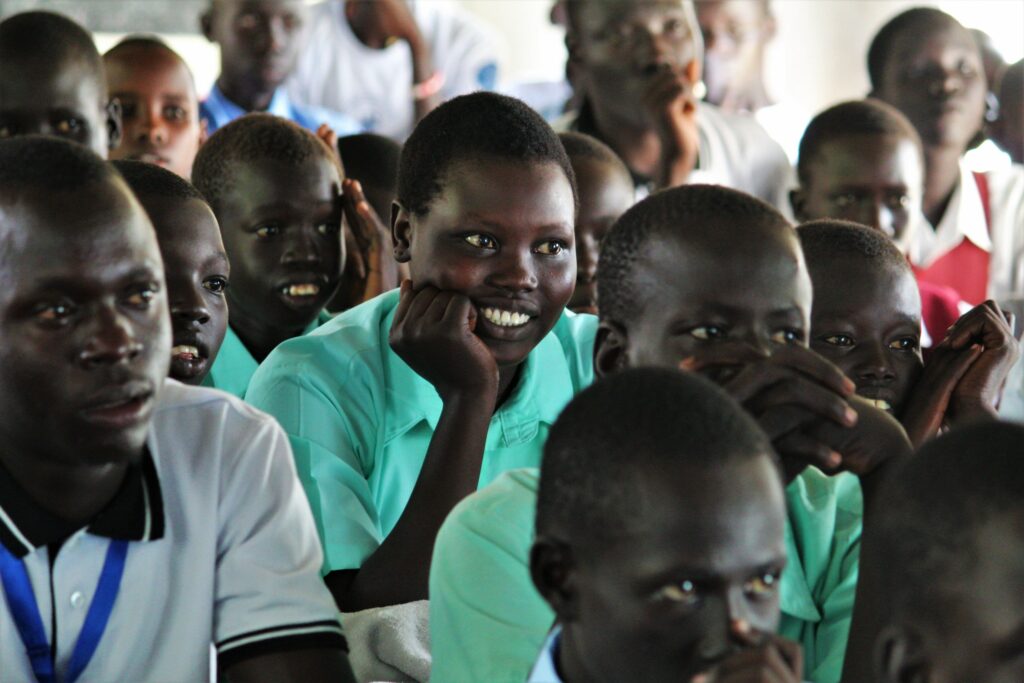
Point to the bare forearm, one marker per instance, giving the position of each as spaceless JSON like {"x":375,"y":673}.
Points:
{"x":422,"y":71}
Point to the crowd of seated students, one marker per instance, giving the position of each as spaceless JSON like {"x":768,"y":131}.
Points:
{"x":425,"y":386}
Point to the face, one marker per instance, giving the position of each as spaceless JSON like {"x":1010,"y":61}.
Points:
{"x":500,"y":233}
{"x":735,"y":33}
{"x":159,"y":108}
{"x":621,"y":47}
{"x":84,"y":316}
{"x":936,"y":79}
{"x":714,"y":306}
{"x":197,"y":272}
{"x":259,"y":39}
{"x":662,"y":602}
{"x":868,"y":179}
{"x":281,"y":226}
{"x":871,"y":331}
{"x":606,"y":193}
{"x":63,"y":99}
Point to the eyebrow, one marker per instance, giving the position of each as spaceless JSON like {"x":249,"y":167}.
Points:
{"x":496,"y":225}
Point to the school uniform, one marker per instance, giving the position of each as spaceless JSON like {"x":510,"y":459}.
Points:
{"x":234,"y":366}
{"x":977,"y":248}
{"x":360,"y":420}
{"x":374,"y":86}
{"x":218,"y":111}
{"x":219,"y":548}
{"x":488,"y":622}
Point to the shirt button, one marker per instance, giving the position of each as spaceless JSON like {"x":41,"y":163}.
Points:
{"x":77,"y":599}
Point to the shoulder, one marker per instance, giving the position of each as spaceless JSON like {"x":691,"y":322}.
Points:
{"x":575,"y":333}
{"x":501,"y":513}
{"x":182,"y":404}
{"x":1006,"y":187}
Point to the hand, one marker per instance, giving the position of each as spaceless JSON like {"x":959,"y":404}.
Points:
{"x":925,"y":411}
{"x":433,"y":333}
{"x":977,"y":393}
{"x":327,"y":135}
{"x":370,"y":265}
{"x":672,"y":106}
{"x":767,"y":659}
{"x":875,"y":438}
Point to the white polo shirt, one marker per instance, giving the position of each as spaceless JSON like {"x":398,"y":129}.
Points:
{"x":222,"y":551}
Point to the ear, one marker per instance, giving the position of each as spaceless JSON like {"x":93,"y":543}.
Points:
{"x":611,"y":346}
{"x":204,"y":132}
{"x":115,"y":126}
{"x":553,"y":572}
{"x":899,"y":657}
{"x":206,"y":25}
{"x":401,"y":232}
{"x":798,"y":200}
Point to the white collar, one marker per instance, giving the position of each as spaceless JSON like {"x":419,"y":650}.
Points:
{"x":545,"y":671}
{"x":964,"y":219}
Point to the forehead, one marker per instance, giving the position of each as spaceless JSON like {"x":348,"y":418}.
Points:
{"x":41,"y":84}
{"x":882,"y":292}
{"x":602,"y":186}
{"x":266,"y":182}
{"x":148,"y":69}
{"x":598,"y":13}
{"x":866,"y":159}
{"x":731,"y":11}
{"x":180,"y":221}
{"x":931,"y":39}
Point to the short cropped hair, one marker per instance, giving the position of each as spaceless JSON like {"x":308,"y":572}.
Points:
{"x":482,"y":125}
{"x":934,"y":504}
{"x":856,"y":117}
{"x":580,"y":146}
{"x":917,"y":20}
{"x":604,"y":445}
{"x":667,"y":213}
{"x":49,"y":36}
{"x":827,"y":238}
{"x":249,"y":139}
{"x":370,"y":158}
{"x":37,"y":163}
{"x":150,"y":180}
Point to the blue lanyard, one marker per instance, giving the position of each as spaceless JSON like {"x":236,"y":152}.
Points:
{"x":25,"y":610}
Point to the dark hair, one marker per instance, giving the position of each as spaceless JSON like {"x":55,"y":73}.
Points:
{"x":604,"y":445}
{"x":688,"y":209}
{"x":581,"y":146}
{"x":916,"y":20}
{"x":371,"y":159}
{"x":49,"y":36}
{"x":35,"y":163}
{"x":149,"y":180}
{"x":934,"y":504}
{"x":482,"y":125}
{"x":856,"y":117}
{"x":247,"y":139}
{"x":141,"y":41}
{"x":827,"y":238}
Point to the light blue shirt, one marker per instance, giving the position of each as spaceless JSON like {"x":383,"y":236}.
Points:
{"x":218,"y":111}
{"x":545,"y":671}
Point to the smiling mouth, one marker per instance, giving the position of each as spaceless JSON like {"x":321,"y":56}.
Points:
{"x":150,"y":158}
{"x":505,"y":318}
{"x":879,"y":403}
{"x":301,"y":290}
{"x":187,"y":353}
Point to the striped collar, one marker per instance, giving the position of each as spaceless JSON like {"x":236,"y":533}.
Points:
{"x":136,"y":513}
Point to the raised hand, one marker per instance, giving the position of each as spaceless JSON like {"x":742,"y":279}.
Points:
{"x":767,"y":658}
{"x":925,"y":411}
{"x":977,"y":392}
{"x":371,"y":268}
{"x":673,"y":108}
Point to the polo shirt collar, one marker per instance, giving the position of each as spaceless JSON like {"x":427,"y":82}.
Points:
{"x":224,"y":110}
{"x":964,"y":219}
{"x":795,"y":597}
{"x":136,"y":513}
{"x":537,"y":398}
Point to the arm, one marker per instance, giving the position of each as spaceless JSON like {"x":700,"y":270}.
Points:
{"x":673,"y":108}
{"x":298,"y":666}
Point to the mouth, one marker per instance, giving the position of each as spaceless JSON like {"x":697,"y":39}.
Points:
{"x":189,"y":358}
{"x":505,"y":318}
{"x":505,"y":321}
{"x":303,"y":292}
{"x":121,"y":407}
{"x":151,"y":158}
{"x":879,"y":403}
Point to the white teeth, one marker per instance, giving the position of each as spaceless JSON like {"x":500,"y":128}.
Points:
{"x":302,"y":290}
{"x":184,"y":350}
{"x":879,"y":403}
{"x":505,"y":318}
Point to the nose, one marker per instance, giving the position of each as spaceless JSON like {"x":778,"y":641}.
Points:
{"x":111,"y":340}
{"x":875,"y":214}
{"x":300,"y":249}
{"x":277,"y":35}
{"x":190,"y":309}
{"x":151,"y":128}
{"x":874,"y":365}
{"x":514,"y":272}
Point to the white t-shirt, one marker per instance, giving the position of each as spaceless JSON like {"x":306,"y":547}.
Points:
{"x":222,"y":551}
{"x":374,"y":87}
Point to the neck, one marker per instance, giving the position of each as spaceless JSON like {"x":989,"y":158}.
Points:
{"x":507,"y":379}
{"x":259,"y":339}
{"x":636,"y":143}
{"x":246,"y":95}
{"x":74,"y":492}
{"x":942,"y":174}
{"x":368,"y":33}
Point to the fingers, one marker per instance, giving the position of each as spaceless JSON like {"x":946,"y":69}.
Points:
{"x":405,"y":296}
{"x":768,"y":662}
{"x":802,"y":448}
{"x":984,"y":323}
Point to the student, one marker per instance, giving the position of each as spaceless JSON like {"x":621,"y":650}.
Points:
{"x":606,"y":191}
{"x":159,"y":104}
{"x":196,"y":267}
{"x":924,"y":63}
{"x":387,"y":63}
{"x":872,"y":333}
{"x":275,"y":190}
{"x":52,"y":82}
{"x":862,"y":161}
{"x":1008,"y":129}
{"x":259,"y":44}
{"x":641,"y":102}
{"x":399,"y":408}
{"x":714,"y":281}
{"x":685,"y":583}
{"x":943,"y":568}
{"x":735,"y":33}
{"x":186,"y":498}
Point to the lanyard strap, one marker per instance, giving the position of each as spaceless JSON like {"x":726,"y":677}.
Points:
{"x":25,"y":611}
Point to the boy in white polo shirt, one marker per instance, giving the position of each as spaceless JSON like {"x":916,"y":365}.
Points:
{"x":141,"y":520}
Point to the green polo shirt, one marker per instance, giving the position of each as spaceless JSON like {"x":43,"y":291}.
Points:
{"x":234,"y":366}
{"x":360,"y":420}
{"x":488,"y":623}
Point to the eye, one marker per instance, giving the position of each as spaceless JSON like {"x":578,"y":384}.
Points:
{"x":764,"y":586}
{"x":966,"y":70}
{"x":900,"y":202}
{"x":216,"y":284}
{"x":267,"y":231}
{"x":672,"y":26}
{"x":175,"y":113}
{"x":56,"y":312}
{"x":904,"y":344}
{"x":248,"y":21}
{"x":787,"y":336}
{"x":327,"y":228}
{"x":838,"y":340}
{"x":481,"y":241}
{"x":291,"y":22}
{"x":141,"y":297}
{"x":682,"y":593}
{"x":845,"y":201}
{"x":707,"y":332}
{"x":128,"y":109}
{"x":552,"y":248}
{"x":68,"y":126}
